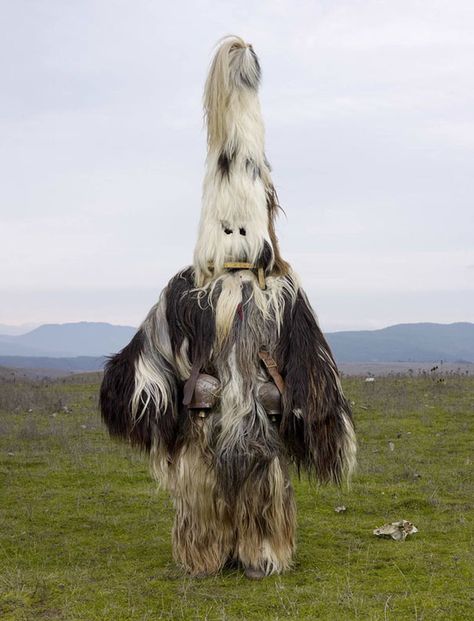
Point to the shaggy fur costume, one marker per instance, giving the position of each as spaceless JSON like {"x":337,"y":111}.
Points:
{"x":228,"y":472}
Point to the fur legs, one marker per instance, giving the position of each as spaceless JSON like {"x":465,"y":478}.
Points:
{"x":258,"y":531}
{"x":202,"y":536}
{"x":265,"y":521}
{"x":202,"y":532}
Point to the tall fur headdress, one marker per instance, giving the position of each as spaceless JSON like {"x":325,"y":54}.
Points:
{"x":239,"y":200}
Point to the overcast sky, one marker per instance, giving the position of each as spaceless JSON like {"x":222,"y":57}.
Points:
{"x":369,"y":111}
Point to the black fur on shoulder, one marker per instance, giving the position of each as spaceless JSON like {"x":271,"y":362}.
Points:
{"x":316,"y":415}
{"x":189,"y":315}
{"x":116,"y":393}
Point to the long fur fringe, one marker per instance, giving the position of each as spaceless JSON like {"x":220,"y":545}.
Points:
{"x":224,"y":328}
{"x":317,"y":423}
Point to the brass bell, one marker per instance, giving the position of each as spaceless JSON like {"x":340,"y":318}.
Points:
{"x":269,"y":396}
{"x":206,"y":392}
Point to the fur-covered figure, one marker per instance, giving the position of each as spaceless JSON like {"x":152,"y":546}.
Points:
{"x":229,"y":380}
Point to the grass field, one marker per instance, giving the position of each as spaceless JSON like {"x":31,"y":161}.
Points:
{"x":85,"y":534}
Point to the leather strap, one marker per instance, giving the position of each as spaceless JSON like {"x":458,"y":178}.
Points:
{"x":237,"y":265}
{"x":272,"y":369}
{"x":190,"y":384}
{"x":234,"y":265}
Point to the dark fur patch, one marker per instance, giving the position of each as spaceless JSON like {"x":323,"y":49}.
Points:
{"x":116,"y":394}
{"x":224,"y":163}
{"x":280,"y":266}
{"x":190,"y":317}
{"x":252,"y":169}
{"x":315,"y":440}
{"x":253,"y":80}
{"x":245,"y":463}
{"x":266,"y":256}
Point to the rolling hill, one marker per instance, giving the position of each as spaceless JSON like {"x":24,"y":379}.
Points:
{"x":411,"y":342}
{"x":83,"y":346}
{"x":68,"y":340}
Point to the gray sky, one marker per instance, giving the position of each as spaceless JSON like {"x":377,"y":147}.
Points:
{"x":369,"y":110}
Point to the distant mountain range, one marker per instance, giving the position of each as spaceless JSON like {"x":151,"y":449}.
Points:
{"x":68,"y":340}
{"x":6,"y":329}
{"x":84,"y":346}
{"x":406,"y":342}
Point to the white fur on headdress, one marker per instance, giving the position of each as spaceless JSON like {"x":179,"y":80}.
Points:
{"x":235,"y":220}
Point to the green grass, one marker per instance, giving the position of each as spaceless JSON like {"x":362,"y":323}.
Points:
{"x":85,"y":534}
